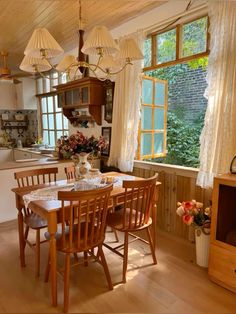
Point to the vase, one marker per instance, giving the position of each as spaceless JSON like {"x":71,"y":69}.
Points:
{"x":202,"y":238}
{"x":83,"y":166}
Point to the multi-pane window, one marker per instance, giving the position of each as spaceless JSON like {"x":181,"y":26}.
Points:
{"x":53,"y":123}
{"x":152,"y":136}
{"x":176,"y":56}
{"x":179,"y":44}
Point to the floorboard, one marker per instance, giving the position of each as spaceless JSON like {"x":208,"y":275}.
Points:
{"x":176,"y":285}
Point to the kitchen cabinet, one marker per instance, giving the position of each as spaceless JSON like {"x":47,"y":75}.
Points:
{"x":109,"y":95}
{"x":86,"y":93}
{"x":222,"y":254}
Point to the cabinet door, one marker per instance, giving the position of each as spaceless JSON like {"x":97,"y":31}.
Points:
{"x":84,"y":95}
{"x":19,"y":154}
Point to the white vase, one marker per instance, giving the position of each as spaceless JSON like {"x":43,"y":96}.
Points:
{"x":202,"y":238}
{"x":83,"y":165}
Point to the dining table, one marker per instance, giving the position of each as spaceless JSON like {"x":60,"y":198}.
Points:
{"x":49,"y":209}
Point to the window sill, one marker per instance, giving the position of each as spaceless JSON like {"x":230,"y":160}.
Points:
{"x":178,"y":170}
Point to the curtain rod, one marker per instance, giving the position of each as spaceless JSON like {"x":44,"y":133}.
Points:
{"x":158,"y":25}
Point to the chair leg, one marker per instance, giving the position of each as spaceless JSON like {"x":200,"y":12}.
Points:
{"x":66,"y":282}
{"x":151,"y":246}
{"x":116,"y":235}
{"x":26,"y":235}
{"x":125,"y":260}
{"x":85,"y":258}
{"x":105,"y":267}
{"x":37,"y":253}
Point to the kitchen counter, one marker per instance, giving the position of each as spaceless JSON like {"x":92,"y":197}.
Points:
{"x":40,"y":162}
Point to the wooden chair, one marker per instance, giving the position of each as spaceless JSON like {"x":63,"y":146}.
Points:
{"x":32,"y":220}
{"x":134,"y":216}
{"x":70,"y":172}
{"x":83,"y":223}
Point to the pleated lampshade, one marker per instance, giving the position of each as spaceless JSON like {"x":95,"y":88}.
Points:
{"x":129,"y":49}
{"x":40,"y":40}
{"x":99,"y":37}
{"x":108,"y":62}
{"x":65,"y":63}
{"x":28,"y":64}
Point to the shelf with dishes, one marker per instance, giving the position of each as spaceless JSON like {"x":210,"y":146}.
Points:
{"x":14,"y":124}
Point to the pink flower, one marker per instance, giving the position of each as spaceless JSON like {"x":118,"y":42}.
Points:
{"x":188,"y":205}
{"x":188,"y":219}
{"x":180,"y":211}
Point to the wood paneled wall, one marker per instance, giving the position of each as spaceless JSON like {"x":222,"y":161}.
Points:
{"x":178,"y":184}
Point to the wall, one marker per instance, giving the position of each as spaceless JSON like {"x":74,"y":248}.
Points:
{"x":27,"y":136}
{"x":18,"y":96}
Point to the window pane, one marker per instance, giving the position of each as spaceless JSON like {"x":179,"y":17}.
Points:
{"x":51,"y":138}
{"x":51,"y":121}
{"x":166,"y":46}
{"x":45,"y":137}
{"x":59,"y":134}
{"x":44,"y":105}
{"x":50,"y":104}
{"x":65,"y":121}
{"x":59,"y":121}
{"x":146,"y":118}
{"x":45,"y":121}
{"x":158,"y":143}
{"x":47,"y":86}
{"x":159,"y":94}
{"x":147,"y":91}
{"x":158,"y":119}
{"x":147,"y":52}
{"x":39,"y":85}
{"x":146,"y":144}
{"x":194,"y":37}
{"x":56,"y":104}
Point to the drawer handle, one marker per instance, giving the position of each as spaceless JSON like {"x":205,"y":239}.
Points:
{"x":235,"y":270}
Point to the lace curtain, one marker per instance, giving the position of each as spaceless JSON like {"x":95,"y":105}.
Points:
{"x":218,"y":138}
{"x":126,"y":113}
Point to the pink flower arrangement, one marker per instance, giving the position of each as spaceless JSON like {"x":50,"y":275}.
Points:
{"x":192,"y":212}
{"x":67,"y":146}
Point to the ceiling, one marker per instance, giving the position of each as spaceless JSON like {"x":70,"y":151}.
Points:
{"x":18,"y":19}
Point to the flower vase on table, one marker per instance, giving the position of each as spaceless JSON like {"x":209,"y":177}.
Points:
{"x":83,"y":166}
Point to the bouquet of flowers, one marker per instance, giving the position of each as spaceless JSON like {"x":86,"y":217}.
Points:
{"x":192,"y":212}
{"x":67,"y":146}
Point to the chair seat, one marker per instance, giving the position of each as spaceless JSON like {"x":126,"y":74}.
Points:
{"x":34,"y":221}
{"x":116,"y":220}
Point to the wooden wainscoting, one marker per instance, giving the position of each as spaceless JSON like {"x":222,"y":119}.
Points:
{"x":178,"y":184}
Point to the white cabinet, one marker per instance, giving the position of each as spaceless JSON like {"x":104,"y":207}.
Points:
{"x":6,"y":155}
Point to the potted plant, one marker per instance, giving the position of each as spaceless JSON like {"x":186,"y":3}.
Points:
{"x":193,"y":213}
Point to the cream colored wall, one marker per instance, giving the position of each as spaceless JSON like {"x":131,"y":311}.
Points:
{"x":18,"y":96}
{"x":7,"y":95}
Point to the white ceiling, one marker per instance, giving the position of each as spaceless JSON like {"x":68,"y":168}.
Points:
{"x":18,"y":19}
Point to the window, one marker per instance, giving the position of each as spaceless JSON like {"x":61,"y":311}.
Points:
{"x":179,"y":44}
{"x":53,"y":123}
{"x":176,"y":58}
{"x":152,"y":136}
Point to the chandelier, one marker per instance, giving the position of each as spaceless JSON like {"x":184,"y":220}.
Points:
{"x":111,"y":57}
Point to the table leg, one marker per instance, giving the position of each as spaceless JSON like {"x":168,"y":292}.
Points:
{"x":21,"y":238}
{"x":52,"y":228}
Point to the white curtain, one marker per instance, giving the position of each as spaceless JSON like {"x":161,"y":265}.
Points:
{"x":126,"y":113}
{"x":218,"y":138}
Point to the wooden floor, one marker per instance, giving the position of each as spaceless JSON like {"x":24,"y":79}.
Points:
{"x":176,"y":285}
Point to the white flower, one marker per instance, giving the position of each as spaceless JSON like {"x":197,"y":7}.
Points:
{"x":180,"y":211}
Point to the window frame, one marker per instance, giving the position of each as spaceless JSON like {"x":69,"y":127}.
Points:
{"x":179,"y":58}
{"x":45,"y":93}
{"x":153,"y":131}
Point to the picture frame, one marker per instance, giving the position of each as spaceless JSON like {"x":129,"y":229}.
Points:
{"x":106,"y":133}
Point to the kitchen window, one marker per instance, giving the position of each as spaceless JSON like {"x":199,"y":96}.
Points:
{"x":53,"y":123}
